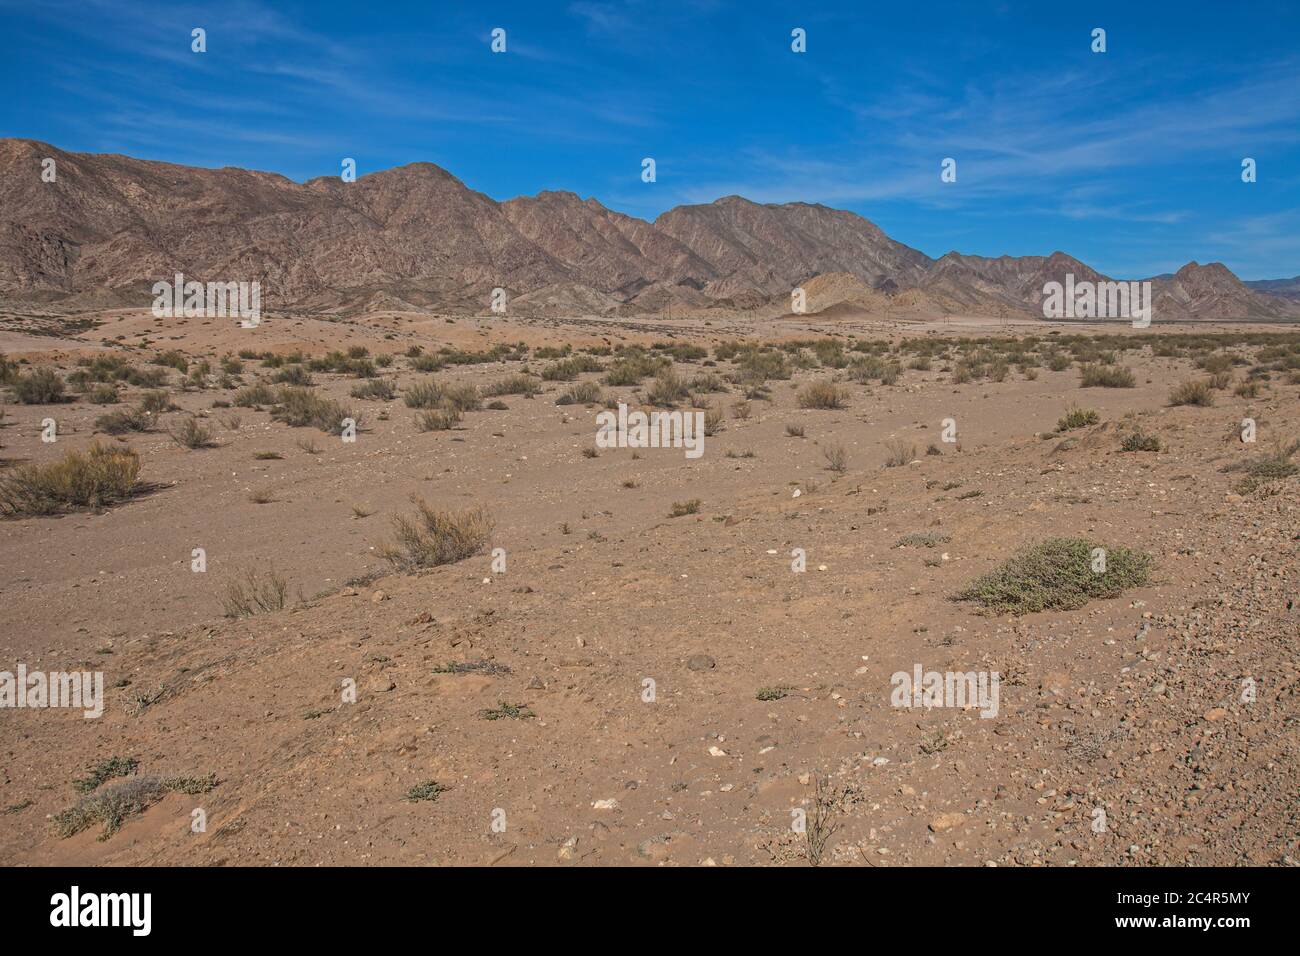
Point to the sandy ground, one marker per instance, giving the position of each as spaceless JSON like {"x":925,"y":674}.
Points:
{"x":1131,"y":704}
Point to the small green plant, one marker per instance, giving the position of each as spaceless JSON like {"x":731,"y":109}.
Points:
{"x":506,"y":711}
{"x":683,"y":508}
{"x":427,"y":791}
{"x":772,"y":693}
{"x":1058,"y":575}
{"x":1077,"y":418}
{"x":1139,"y":441}
{"x":104,"y":771}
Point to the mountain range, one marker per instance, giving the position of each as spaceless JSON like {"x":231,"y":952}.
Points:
{"x":415,"y":237}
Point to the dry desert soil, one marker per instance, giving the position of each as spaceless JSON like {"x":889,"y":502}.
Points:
{"x":638,"y":688}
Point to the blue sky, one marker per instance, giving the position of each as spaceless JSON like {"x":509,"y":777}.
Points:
{"x":1130,"y":160}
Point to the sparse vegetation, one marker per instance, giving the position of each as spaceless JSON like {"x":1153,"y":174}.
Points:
{"x":255,"y":593}
{"x":433,"y":537}
{"x":1057,"y":575}
{"x":682,"y":508}
{"x":192,"y":434}
{"x":114,"y":804}
{"x":41,"y":386}
{"x":1099,"y":375}
{"x":79,"y":482}
{"x":1193,"y":393}
{"x":822,"y":395}
{"x":1077,"y":418}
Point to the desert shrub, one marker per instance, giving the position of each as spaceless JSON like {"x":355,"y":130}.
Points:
{"x":631,"y":369}
{"x":146,"y":377}
{"x":1058,"y":361}
{"x":426,"y":363}
{"x":172,"y":359}
{"x":77,"y":482}
{"x":1099,"y":375}
{"x":1215,"y":362}
{"x":566,"y":370}
{"x":837,"y":458}
{"x":584,"y":393}
{"x":900,"y":453}
{"x":683,"y":508}
{"x":114,"y":804}
{"x":1057,"y":575}
{"x":300,"y":407}
{"x":438,"y":419}
{"x":124,"y":421}
{"x":292,"y":375}
{"x":1220,"y":380}
{"x":433,"y":537}
{"x":40,"y":386}
{"x":514,"y":385}
{"x":923,"y":539}
{"x":1139,"y":441}
{"x":376,"y":388}
{"x":252,"y":593}
{"x":254,"y":395}
{"x":794,"y":430}
{"x":155,"y":402}
{"x":762,"y":364}
{"x":1077,"y":418}
{"x":104,"y":394}
{"x":464,"y":398}
{"x":192,"y":434}
{"x":825,"y":395}
{"x":1192,"y":393}
{"x":708,"y":382}
{"x":667,"y":389}
{"x":1248,"y":389}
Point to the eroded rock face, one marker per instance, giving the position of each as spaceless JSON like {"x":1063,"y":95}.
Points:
{"x":415,"y":236}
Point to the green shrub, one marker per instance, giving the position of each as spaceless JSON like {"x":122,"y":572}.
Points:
{"x":1058,"y":575}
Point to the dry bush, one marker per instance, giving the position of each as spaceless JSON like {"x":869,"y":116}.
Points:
{"x":900,"y":453}
{"x":432,"y":537}
{"x":252,"y":593}
{"x":377,"y":389}
{"x":825,"y":395}
{"x":1098,"y":375}
{"x":584,"y":393}
{"x":438,"y":419}
{"x":78,"y":482}
{"x":300,"y":407}
{"x":1193,"y":393}
{"x":40,"y":386}
{"x":192,"y":434}
{"x":1077,"y":418}
{"x":526,"y":385}
{"x":121,"y":422}
{"x":668,"y":389}
{"x":837,"y":458}
{"x":714,"y":421}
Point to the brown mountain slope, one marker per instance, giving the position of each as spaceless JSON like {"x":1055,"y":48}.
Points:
{"x":109,"y":226}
